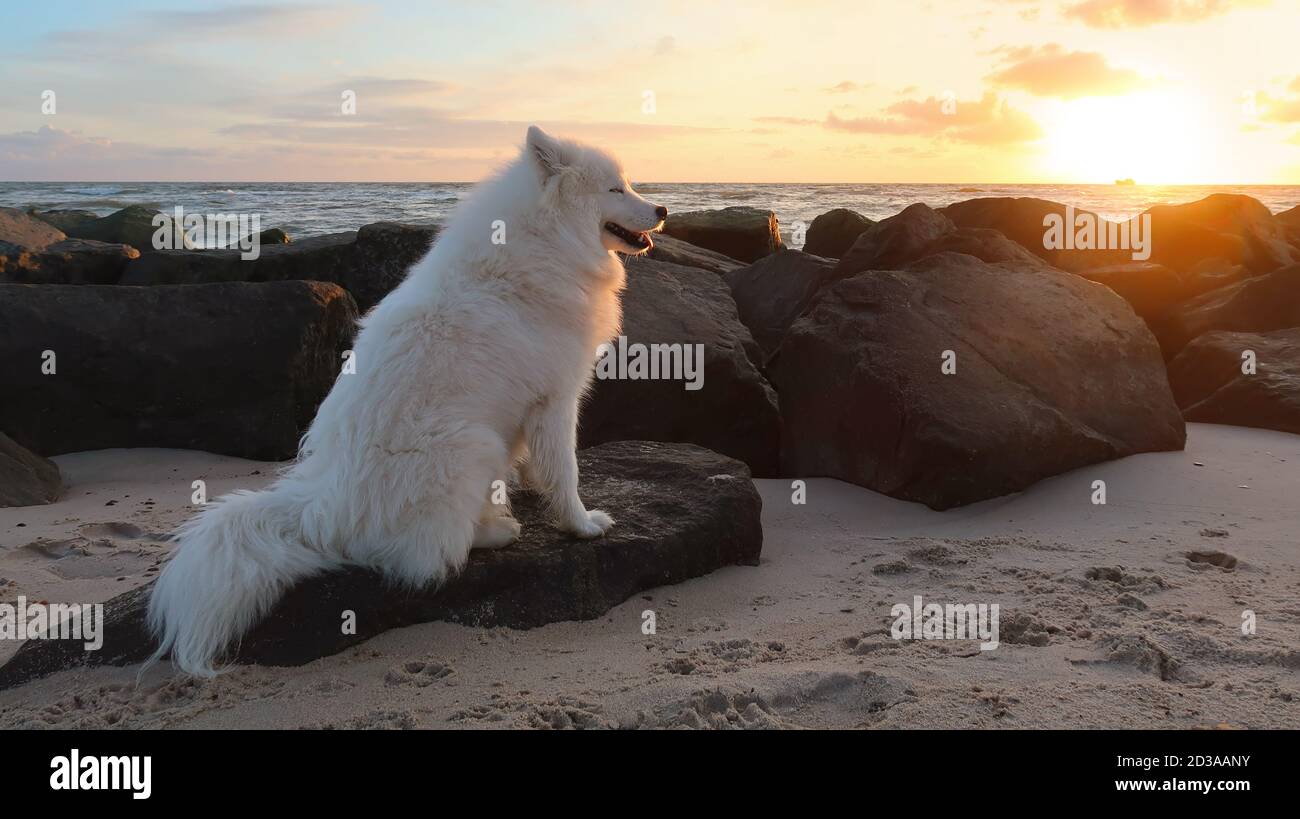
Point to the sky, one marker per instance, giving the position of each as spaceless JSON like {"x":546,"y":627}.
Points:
{"x":1010,"y":91}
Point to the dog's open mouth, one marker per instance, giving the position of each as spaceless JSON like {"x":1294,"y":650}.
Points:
{"x":641,"y":241}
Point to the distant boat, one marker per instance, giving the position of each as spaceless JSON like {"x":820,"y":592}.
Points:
{"x":1125,"y":182}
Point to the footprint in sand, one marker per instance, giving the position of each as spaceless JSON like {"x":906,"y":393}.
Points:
{"x":1204,"y":560}
{"x":115,"y":530}
{"x":420,"y":673}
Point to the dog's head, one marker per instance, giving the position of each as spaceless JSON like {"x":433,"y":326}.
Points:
{"x":593,"y":183}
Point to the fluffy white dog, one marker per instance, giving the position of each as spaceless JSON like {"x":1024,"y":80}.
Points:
{"x":476,"y":363}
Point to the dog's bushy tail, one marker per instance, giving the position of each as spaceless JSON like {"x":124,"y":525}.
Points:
{"x":233,"y":562}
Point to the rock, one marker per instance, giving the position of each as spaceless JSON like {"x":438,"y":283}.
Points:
{"x":675,"y":251}
{"x":270,"y":236}
{"x":1021,"y":219}
{"x":20,"y":230}
{"x":1151,"y":289}
{"x":987,"y":245}
{"x":26,"y":479}
{"x":236,"y":369}
{"x":33,"y":251}
{"x":774,"y":291}
{"x":1257,"y":304}
{"x":834,"y":232}
{"x":133,"y":225}
{"x":1211,"y":274}
{"x":1052,"y":373}
{"x":733,"y":412}
{"x":382,"y":255}
{"x":894,"y":242}
{"x":1290,"y":218}
{"x":917,"y":232}
{"x":680,"y":512}
{"x":368,"y":263}
{"x":72,"y":261}
{"x":65,"y":220}
{"x":1231,"y":228}
{"x":1237,"y":229}
{"x":1209,"y":384}
{"x":743,"y":233}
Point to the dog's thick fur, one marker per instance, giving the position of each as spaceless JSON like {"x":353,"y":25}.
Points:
{"x":474,"y":365}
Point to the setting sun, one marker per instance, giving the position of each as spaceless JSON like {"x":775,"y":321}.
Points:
{"x":1157,"y":138}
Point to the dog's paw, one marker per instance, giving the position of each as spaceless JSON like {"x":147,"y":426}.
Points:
{"x":596,"y":524}
{"x":494,"y":533}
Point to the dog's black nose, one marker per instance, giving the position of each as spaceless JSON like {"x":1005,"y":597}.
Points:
{"x":661,"y":212}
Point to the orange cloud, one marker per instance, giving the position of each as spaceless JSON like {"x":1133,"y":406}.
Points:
{"x":990,"y":121}
{"x":1140,"y":13}
{"x":1051,"y":71}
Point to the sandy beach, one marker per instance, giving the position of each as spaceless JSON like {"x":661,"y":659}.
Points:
{"x":1123,"y":615}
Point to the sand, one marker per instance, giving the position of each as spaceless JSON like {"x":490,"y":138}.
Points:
{"x":1104,"y":619}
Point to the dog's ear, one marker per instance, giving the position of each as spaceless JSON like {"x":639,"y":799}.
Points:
{"x":546,"y":150}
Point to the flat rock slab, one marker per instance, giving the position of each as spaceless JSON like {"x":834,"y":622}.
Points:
{"x":680,"y":511}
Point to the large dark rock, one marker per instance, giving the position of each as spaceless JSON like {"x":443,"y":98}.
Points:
{"x":1151,"y":289}
{"x":1052,"y":373}
{"x":72,"y":261}
{"x":918,"y":231}
{"x":734,"y":411}
{"x":1228,"y":228}
{"x":1023,"y":220}
{"x":1234,"y":228}
{"x":34,"y":252}
{"x":831,"y":234}
{"x":774,"y":291}
{"x":1290,"y":221}
{"x":26,"y":479}
{"x":22,"y":230}
{"x":675,"y":251}
{"x":894,"y":242}
{"x":65,"y":220}
{"x":368,"y":263}
{"x":680,"y":512}
{"x":235,"y":368}
{"x":132,"y":225}
{"x":1209,"y":383}
{"x":1257,"y":304}
{"x":743,"y":233}
{"x":1155,"y":290}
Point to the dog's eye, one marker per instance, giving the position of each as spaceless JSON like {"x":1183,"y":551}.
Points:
{"x":615,"y":190}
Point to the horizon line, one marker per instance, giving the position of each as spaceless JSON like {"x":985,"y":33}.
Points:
{"x":643,"y":182}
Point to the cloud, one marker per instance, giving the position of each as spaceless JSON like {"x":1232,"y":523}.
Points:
{"x":53,"y":153}
{"x":846,"y":87}
{"x":1051,"y":71}
{"x":788,"y":120}
{"x":1283,"y":110}
{"x":990,"y":121}
{"x":246,"y":21}
{"x":1141,"y":13}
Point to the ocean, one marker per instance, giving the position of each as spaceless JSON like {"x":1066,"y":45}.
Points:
{"x":314,"y":208}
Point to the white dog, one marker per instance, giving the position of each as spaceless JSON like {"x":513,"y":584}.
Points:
{"x":475,"y":364}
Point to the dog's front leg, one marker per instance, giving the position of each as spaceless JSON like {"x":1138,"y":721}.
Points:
{"x":552,"y":432}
